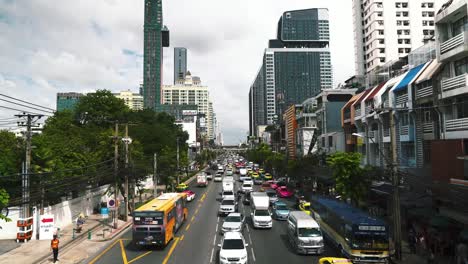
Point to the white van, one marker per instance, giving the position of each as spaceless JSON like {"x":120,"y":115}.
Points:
{"x":304,"y":233}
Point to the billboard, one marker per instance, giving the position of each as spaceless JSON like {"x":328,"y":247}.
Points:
{"x":189,"y":112}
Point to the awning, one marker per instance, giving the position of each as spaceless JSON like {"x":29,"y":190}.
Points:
{"x":375,"y":91}
{"x":363,"y":96}
{"x":388,"y":85}
{"x":430,"y":70}
{"x":409,"y":78}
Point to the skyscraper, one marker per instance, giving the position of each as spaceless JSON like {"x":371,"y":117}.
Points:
{"x":295,"y":66}
{"x":385,"y":31}
{"x":155,"y":37}
{"x":180,"y":64}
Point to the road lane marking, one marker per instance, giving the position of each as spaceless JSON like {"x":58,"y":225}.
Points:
{"x":182,"y":237}
{"x":216,"y":227}
{"x":104,"y":252}
{"x":250,"y":239}
{"x":196,"y":211}
{"x":214,"y":240}
{"x":253,"y":254}
{"x":212,"y":252}
{"x":193,"y":217}
{"x":124,"y":254}
{"x":176,"y":240}
{"x":248,"y":230}
{"x":140,"y":256}
{"x":187,"y":228}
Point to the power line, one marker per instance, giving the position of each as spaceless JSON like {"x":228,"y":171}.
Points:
{"x":14,"y":109}
{"x":23,"y":105}
{"x":27,"y":102}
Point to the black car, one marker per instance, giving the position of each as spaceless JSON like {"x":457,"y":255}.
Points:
{"x":246,"y":199}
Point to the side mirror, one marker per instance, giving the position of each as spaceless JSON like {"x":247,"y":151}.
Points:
{"x":219,"y":245}
{"x":246,"y":245}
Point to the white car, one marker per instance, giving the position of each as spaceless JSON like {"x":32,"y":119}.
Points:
{"x":249,"y":181}
{"x":218,"y":177}
{"x":233,"y":249}
{"x":227,"y":206}
{"x":234,"y":222}
{"x":228,"y":194}
{"x":229,"y":172}
{"x":246,"y":187}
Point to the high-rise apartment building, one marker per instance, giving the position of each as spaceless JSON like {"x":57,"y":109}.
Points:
{"x":295,"y":66}
{"x":385,"y":31}
{"x":134,"y":101}
{"x":180,"y":64}
{"x":191,"y":93}
{"x":67,"y":101}
{"x":155,"y":38}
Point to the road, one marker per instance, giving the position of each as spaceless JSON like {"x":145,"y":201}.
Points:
{"x":197,"y":239}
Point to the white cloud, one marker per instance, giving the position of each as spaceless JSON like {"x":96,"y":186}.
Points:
{"x":78,"y":46}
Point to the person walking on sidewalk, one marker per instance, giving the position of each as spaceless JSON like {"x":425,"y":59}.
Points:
{"x":54,"y":246}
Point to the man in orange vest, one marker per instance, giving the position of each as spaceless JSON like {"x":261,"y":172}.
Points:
{"x":54,"y":246}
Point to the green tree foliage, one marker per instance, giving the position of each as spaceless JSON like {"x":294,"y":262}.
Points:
{"x":10,"y":162}
{"x":101,"y":107}
{"x":4,"y":197}
{"x":350,"y":177}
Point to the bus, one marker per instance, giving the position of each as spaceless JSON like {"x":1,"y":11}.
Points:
{"x":157,"y":221}
{"x":360,"y":237}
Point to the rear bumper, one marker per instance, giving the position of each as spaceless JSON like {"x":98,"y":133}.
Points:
{"x":311,"y":250}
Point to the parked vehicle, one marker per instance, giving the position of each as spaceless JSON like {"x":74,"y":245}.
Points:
{"x":304,"y":233}
{"x":233,"y":249}
{"x":190,"y":195}
{"x":202,"y":181}
{"x":234,"y":222}
{"x":228,"y":205}
{"x":280,"y":211}
{"x":261,"y":216}
{"x":284,"y":192}
{"x":181,"y":187}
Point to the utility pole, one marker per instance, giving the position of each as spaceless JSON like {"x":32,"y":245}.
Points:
{"x":126,"y":141}
{"x":116,"y":172}
{"x":155,"y":177}
{"x":396,"y":190}
{"x":26,"y":210}
{"x":178,"y":161}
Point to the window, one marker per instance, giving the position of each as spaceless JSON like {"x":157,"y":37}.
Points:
{"x":458,"y":26}
{"x":427,"y":117}
{"x":382,"y":59}
{"x":461,"y":66}
{"x":399,"y":32}
{"x":407,"y":41}
{"x":462,"y":109}
{"x":330,"y":141}
{"x":381,"y":41}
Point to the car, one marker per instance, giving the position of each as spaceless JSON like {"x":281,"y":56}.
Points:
{"x":228,"y":205}
{"x":273,"y":184}
{"x":227,"y":194}
{"x":255,"y":175}
{"x":209,"y":176}
{"x":249,"y":181}
{"x":261,"y":171}
{"x":246,"y":198}
{"x":234,"y":222}
{"x":267,"y":176}
{"x":280,"y":211}
{"x":190,"y":195}
{"x":284,"y":192}
{"x":273,"y":197}
{"x":233,"y":249}
{"x":305,"y":207}
{"x":218,"y":177}
{"x":333,"y":260}
{"x":258,"y":181}
{"x":246,"y":187}
{"x":265,"y":186}
{"x":229,"y":172}
{"x":181,"y":187}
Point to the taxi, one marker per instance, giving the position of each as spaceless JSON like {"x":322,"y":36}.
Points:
{"x":249,"y":172}
{"x":332,"y":260}
{"x":305,"y":207}
{"x":261,"y":171}
{"x":181,"y":187}
{"x":255,"y":175}
{"x":268,"y":176}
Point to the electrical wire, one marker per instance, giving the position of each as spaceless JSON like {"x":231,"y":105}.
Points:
{"x":27,"y":102}
{"x":18,"y":104}
{"x":14,"y":109}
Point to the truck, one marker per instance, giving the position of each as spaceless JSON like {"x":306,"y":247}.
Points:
{"x":261,"y":215}
{"x":228,"y":184}
{"x":202,"y":180}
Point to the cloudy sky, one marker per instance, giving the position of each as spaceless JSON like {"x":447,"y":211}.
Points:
{"x":61,"y":46}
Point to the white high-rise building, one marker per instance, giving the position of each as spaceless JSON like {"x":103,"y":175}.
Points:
{"x":386,"y":30}
{"x":191,"y":92}
{"x":134,"y":101}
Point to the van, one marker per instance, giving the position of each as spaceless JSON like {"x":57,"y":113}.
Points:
{"x":304,"y":233}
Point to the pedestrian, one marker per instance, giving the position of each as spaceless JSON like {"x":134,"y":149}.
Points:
{"x":461,"y":253}
{"x":54,"y":246}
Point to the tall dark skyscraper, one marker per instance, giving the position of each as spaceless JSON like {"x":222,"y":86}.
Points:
{"x":155,"y":37}
{"x":180,"y":64}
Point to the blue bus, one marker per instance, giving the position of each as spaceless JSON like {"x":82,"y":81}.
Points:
{"x":360,"y":237}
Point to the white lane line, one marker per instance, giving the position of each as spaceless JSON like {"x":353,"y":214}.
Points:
{"x":216,"y":227}
{"x":253,"y":254}
{"x":248,"y":230}
{"x":214,"y":240}
{"x":212,"y":253}
{"x":250,"y":239}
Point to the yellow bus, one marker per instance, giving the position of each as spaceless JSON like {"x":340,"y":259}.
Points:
{"x":156,"y":222}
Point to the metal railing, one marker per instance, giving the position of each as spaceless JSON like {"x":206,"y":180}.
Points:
{"x":404,"y":130}
{"x":454,"y":82}
{"x":423,"y":92}
{"x":452,"y":43}
{"x":386,"y":132}
{"x":402,"y":98}
{"x":456,"y":124}
{"x":428,"y":128}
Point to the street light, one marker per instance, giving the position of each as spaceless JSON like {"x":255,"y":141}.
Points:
{"x":396,"y":197}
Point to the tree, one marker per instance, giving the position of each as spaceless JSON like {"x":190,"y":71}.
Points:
{"x":351,"y":179}
{"x":102,"y":108}
{"x":4,"y":197}
{"x":10,"y":162}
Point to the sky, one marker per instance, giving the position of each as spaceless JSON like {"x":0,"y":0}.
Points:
{"x":80,"y":46}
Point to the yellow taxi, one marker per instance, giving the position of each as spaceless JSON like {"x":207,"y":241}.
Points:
{"x":268,"y":176}
{"x":261,"y":171}
{"x":181,"y":187}
{"x":305,"y":207}
{"x":332,"y":260}
{"x":255,"y":175}
{"x":249,"y":172}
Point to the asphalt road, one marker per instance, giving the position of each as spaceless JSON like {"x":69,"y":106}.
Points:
{"x":197,"y":239}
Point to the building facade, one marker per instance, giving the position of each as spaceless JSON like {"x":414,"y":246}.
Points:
{"x":67,"y":101}
{"x":295,"y":66}
{"x":134,"y":101}
{"x":190,"y":93}
{"x":180,"y":64}
{"x":386,"y":31}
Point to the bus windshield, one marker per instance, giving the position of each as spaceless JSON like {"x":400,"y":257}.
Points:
{"x":309,"y":232}
{"x":369,"y":241}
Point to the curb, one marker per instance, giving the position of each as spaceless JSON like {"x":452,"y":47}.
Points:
{"x":125,"y":226}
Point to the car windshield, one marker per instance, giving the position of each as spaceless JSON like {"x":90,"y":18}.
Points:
{"x":309,"y":232}
{"x":281,"y":207}
{"x":232,"y":219}
{"x":271,"y":194}
{"x":233,"y":244}
{"x":227,"y":202}
{"x":262,"y":213}
{"x":228,"y":193}
{"x":247,"y":185}
{"x":369,"y":242}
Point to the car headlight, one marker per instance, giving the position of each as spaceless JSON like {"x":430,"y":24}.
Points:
{"x":137,"y":218}
{"x":223,"y":258}
{"x":244,"y":257}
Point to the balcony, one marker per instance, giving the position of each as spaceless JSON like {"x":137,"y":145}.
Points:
{"x":401,"y":99}
{"x":406,"y":133}
{"x":452,"y":43}
{"x":453,"y":47}
{"x":456,"y":124}
{"x":386,"y":135}
{"x":428,"y":128}
{"x":372,"y":137}
{"x":454,"y":86}
{"x":424,"y":92}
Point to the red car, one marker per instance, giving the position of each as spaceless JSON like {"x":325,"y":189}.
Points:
{"x":273,"y":184}
{"x":190,"y":195}
{"x":284,"y":192}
